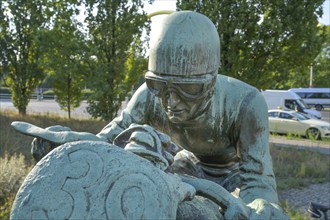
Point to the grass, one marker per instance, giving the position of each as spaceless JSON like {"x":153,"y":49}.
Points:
{"x":299,"y":168}
{"x":12,"y":173}
{"x":293,"y":168}
{"x":291,"y":136}
{"x":293,"y":213}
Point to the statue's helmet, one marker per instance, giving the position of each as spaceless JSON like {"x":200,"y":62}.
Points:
{"x":186,"y":45}
{"x":184,"y":58}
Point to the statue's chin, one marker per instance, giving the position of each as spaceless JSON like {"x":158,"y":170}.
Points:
{"x":176,"y":119}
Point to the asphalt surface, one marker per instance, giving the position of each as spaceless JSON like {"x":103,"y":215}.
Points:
{"x":301,"y":198}
{"x":303,"y":144}
{"x":45,"y":107}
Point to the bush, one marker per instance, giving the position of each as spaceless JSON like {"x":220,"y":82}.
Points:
{"x":5,"y":206}
{"x":13,"y":171}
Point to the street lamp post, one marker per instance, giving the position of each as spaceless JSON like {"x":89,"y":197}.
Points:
{"x":311,"y":77}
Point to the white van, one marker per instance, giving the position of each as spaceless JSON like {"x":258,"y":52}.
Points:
{"x":288,"y":100}
{"x":314,"y":97}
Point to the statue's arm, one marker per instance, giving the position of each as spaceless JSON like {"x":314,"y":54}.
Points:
{"x":135,"y":112}
{"x":258,"y":188}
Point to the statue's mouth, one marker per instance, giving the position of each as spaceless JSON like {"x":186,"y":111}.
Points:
{"x":175,"y":111}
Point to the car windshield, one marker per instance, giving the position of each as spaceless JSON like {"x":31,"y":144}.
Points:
{"x":300,"y":117}
{"x":302,"y":104}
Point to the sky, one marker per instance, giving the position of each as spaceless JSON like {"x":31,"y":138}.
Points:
{"x":170,"y":5}
{"x":326,"y":13}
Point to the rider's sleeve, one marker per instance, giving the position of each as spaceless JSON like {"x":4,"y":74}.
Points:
{"x":135,"y":112}
{"x":256,"y":170}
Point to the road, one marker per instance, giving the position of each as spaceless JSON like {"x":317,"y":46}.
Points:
{"x":47,"y":107}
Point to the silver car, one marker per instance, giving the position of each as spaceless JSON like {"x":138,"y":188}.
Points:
{"x":291,"y":122}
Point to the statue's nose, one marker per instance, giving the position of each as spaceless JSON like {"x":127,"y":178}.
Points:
{"x":172,"y":98}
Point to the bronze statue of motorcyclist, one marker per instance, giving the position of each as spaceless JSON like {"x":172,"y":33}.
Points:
{"x":219,"y":123}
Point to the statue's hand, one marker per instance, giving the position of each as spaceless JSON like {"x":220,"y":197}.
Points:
{"x":258,"y":209}
{"x":41,"y":147}
{"x":170,"y":149}
{"x":263,"y":209}
{"x":148,"y":143}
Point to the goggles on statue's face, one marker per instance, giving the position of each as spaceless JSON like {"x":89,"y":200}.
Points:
{"x":192,"y":87}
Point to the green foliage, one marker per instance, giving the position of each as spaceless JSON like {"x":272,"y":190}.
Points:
{"x":19,"y":45}
{"x":5,"y":206}
{"x":115,"y":31}
{"x":65,"y":48}
{"x":320,"y":69}
{"x":68,"y":91}
{"x":263,"y":42}
{"x":321,"y":65}
{"x":292,"y":136}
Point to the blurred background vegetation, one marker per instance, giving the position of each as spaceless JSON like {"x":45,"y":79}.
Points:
{"x":102,"y":46}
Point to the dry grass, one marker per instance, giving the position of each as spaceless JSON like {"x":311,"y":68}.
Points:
{"x":297,"y":168}
{"x":12,"y":173}
{"x":12,"y":142}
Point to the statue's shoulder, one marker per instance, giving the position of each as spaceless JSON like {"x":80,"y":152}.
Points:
{"x":232,"y":84}
{"x":142,"y":90}
{"x":227,"y":86}
{"x":234,"y":92}
{"x":142,"y":94}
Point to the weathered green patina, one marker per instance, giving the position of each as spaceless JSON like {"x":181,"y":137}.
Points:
{"x":209,"y":130}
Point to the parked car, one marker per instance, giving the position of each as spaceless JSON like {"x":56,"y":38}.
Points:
{"x":292,"y":122}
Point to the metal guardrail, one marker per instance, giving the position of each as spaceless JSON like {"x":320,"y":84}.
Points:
{"x":5,"y":96}
{"x":34,"y":96}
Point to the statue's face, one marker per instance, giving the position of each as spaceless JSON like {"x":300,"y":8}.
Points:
{"x":181,"y":97}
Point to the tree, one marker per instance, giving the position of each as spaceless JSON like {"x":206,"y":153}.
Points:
{"x":68,"y":89}
{"x":65,"y":48}
{"x":300,"y":78}
{"x":20,"y":23}
{"x":321,"y":66}
{"x":114,"y":28}
{"x":3,"y":27}
{"x":262,"y":42}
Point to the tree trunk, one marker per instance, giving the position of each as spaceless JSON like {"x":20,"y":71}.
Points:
{"x":22,"y":111}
